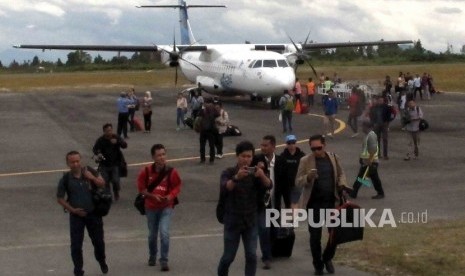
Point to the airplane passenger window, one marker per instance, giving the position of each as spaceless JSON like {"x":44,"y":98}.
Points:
{"x":282,"y":63}
{"x":257,"y":64}
{"x":269,"y":63}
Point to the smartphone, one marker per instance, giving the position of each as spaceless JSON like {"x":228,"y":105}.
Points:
{"x":251,"y":170}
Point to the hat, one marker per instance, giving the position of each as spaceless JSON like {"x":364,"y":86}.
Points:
{"x":290,"y":138}
{"x":123,"y":94}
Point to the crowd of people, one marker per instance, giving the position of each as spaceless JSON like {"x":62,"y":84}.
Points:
{"x":256,"y":182}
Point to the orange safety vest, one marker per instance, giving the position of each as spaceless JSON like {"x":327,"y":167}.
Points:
{"x":310,"y":88}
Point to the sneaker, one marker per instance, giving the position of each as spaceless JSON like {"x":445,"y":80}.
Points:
{"x":266,"y":265}
{"x":219,"y":156}
{"x":152,"y":261}
{"x":165,"y":267}
{"x":407,"y":157}
{"x":378,"y":196}
{"x":178,"y":129}
{"x":354,"y":135}
{"x":104,"y":267}
{"x":329,"y":267}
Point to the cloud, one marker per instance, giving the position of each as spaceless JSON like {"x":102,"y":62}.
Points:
{"x":49,"y":8}
{"x":448,"y":10}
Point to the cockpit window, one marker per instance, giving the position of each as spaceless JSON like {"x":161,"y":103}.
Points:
{"x":269,"y":63}
{"x":251,"y":63}
{"x":257,"y":64}
{"x":282,"y":63}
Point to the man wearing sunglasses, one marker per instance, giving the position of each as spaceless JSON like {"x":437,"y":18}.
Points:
{"x":320,"y":181}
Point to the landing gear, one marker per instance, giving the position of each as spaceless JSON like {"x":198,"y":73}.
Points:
{"x":275,"y":102}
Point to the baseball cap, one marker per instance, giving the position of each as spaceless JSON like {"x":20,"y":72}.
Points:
{"x":290,"y":138}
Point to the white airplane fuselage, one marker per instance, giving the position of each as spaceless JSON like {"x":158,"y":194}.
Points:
{"x":229,"y":70}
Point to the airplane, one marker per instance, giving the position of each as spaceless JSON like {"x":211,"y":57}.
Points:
{"x":258,"y":70}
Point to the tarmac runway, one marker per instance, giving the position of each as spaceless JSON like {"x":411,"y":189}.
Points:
{"x":39,"y":128}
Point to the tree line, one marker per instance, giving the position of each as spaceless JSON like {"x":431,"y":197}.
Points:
{"x":382,"y":54}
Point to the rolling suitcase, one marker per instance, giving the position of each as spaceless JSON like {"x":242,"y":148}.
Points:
{"x":282,"y":241}
{"x":138,"y":124}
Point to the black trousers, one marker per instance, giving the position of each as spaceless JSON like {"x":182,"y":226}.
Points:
{"x":373,"y":175}
{"x":381,"y":131}
{"x":148,"y":121}
{"x":219,"y":142}
{"x":94,"y":225}
{"x":210,"y":137}
{"x":123,"y":124}
{"x":132,"y":113}
{"x":315,"y":235}
{"x":282,"y":190}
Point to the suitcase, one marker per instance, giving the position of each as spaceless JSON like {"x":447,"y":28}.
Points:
{"x":138,"y":124}
{"x":282,"y":241}
{"x":304,"y":109}
{"x":189,"y":122}
{"x":232,"y":130}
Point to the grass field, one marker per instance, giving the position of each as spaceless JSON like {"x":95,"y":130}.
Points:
{"x":447,"y":77}
{"x":434,"y":248}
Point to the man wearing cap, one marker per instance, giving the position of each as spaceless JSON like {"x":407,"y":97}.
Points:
{"x":291,"y":159}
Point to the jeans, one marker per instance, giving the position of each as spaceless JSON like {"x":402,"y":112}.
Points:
{"x":264,"y":236}
{"x":111,"y":174}
{"x":352,"y":121}
{"x":232,"y":238}
{"x":287,"y":120}
{"x":180,"y":117}
{"x":159,"y":220}
{"x":310,"y":100}
{"x":381,"y":131}
{"x":94,"y":225}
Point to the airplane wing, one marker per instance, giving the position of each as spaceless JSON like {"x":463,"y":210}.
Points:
{"x":114,"y":48}
{"x":316,"y":46}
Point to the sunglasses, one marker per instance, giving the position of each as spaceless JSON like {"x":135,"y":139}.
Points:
{"x":316,"y":148}
{"x":291,"y":143}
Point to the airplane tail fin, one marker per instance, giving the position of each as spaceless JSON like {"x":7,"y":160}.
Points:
{"x":187,"y":37}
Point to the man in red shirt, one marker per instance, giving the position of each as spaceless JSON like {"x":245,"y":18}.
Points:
{"x":160,"y":186}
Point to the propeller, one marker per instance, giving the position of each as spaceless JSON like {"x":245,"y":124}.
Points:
{"x":175,"y":56}
{"x":302,"y":56}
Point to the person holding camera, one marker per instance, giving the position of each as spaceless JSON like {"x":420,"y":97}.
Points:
{"x":77,"y":186}
{"x":240,"y":185}
{"x":108,"y":153}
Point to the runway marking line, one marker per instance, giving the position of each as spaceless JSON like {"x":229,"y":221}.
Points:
{"x":341,"y":127}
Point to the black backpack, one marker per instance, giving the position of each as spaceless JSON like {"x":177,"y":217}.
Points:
{"x":101,"y":198}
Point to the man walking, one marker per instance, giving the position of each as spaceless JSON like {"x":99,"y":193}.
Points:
{"x":240,"y":185}
{"x":380,"y":115}
{"x":208,"y":131}
{"x":321,"y":180}
{"x":286,"y":103}
{"x":123,"y":104}
{"x":77,"y":186}
{"x":160,"y":185}
{"x":290,"y":158}
{"x":107,"y":148}
{"x":369,"y":159}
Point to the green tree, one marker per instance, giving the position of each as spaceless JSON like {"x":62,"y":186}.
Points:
{"x":78,"y":58}
{"x":35,"y":61}
{"x":59,"y":63}
{"x":389,"y":51}
{"x":99,"y":59}
{"x":14,"y":65}
{"x":370,"y":52}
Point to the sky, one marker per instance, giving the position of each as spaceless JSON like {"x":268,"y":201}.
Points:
{"x":119,"y":22}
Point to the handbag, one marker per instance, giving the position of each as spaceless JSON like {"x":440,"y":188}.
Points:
{"x":123,"y":166}
{"x":424,"y":125}
{"x":102,"y":201}
{"x":338,"y":235}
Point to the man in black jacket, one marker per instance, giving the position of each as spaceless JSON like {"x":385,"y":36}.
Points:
{"x":107,"y":148}
{"x":241,"y":184}
{"x":208,"y":130}
{"x":291,"y":159}
{"x":380,"y":117}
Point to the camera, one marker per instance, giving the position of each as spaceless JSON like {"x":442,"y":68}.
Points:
{"x":99,"y":158}
{"x":251,"y":170}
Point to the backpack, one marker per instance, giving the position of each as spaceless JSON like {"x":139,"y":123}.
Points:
{"x":289,"y":104}
{"x":101,"y":197}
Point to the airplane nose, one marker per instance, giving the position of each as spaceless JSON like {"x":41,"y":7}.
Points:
{"x":285,"y":80}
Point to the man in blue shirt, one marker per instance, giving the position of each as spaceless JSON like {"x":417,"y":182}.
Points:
{"x":123,"y":114}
